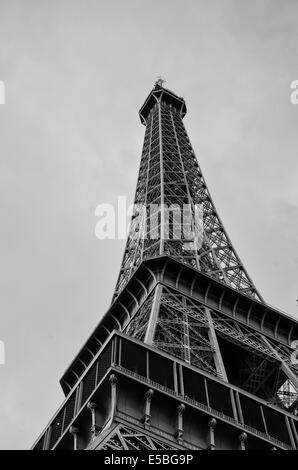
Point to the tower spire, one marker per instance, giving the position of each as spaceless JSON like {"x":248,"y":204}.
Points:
{"x":159,"y":82}
{"x":174,"y":213}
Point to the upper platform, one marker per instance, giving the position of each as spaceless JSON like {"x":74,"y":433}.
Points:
{"x":163,"y":94}
{"x":260,"y":317}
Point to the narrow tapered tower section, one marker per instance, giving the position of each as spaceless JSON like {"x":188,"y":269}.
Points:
{"x":188,"y":356}
{"x":174,"y":214}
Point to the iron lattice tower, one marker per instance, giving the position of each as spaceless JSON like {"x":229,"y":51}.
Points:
{"x":170,"y":179}
{"x":188,"y":356}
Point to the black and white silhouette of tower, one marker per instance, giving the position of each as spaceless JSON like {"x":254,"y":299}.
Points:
{"x":188,"y":356}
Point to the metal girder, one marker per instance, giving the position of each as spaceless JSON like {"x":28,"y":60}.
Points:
{"x":186,"y":329}
{"x":290,"y":370}
{"x":126,"y":438}
{"x":138,"y":325}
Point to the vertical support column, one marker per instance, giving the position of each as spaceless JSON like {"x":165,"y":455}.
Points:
{"x":114,"y":351}
{"x":186,"y":342}
{"x":295,"y":434}
{"x":180,"y":370}
{"x":147,"y":411}
{"x":78,"y":399}
{"x":211,"y":437}
{"x":147,"y":227}
{"x":190,"y":202}
{"x":179,"y":432}
{"x":175,"y":377}
{"x":47,"y":439}
{"x":94,"y":427}
{"x":239,"y":408}
{"x":264,"y":420}
{"x":162,"y":198}
{"x":147,"y":365}
{"x":74,"y":431}
{"x":290,"y":432}
{"x":233,"y":405}
{"x":206,"y":392}
{"x":243,"y":439}
{"x":219,"y":364}
{"x":149,"y":337}
{"x":113,"y":381}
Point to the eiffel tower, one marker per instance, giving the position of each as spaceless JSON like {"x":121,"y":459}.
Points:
{"x":188,"y":356}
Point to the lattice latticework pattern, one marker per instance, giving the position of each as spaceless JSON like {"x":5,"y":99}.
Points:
{"x":126,"y":438}
{"x":184,"y":334}
{"x":173,"y":210}
{"x":186,"y":329}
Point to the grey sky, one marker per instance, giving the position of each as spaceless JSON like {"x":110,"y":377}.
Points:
{"x":76,"y":73}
